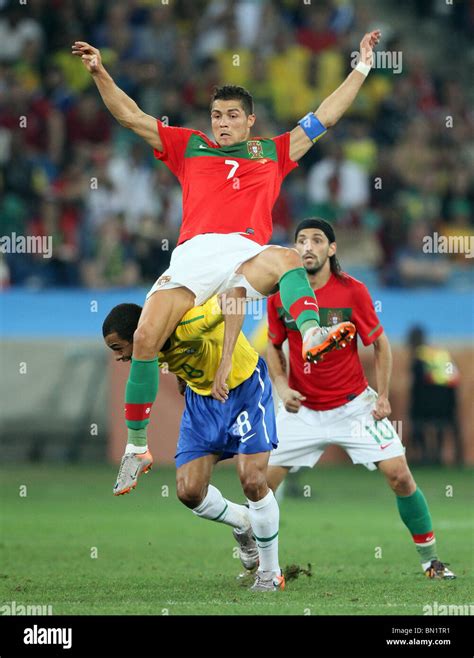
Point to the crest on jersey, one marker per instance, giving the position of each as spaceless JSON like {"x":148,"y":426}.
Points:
{"x":255,"y":148}
{"x":163,"y":280}
{"x":335,"y":315}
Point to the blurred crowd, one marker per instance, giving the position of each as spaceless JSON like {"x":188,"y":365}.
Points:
{"x":396,"y":168}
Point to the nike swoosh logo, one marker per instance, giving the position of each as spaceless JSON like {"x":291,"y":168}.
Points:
{"x":310,"y":303}
{"x":385,"y":446}
{"x":247,"y":438}
{"x":201,"y":146}
{"x":134,"y":475}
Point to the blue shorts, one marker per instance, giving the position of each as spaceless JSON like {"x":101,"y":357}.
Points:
{"x":245,"y":423}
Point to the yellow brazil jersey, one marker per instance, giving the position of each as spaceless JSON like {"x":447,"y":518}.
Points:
{"x":193,"y":351}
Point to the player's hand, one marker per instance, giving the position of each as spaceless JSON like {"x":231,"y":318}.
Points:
{"x":382,"y":408}
{"x":220,"y":389}
{"x":292,"y":400}
{"x":89,"y":55}
{"x":367,"y":45}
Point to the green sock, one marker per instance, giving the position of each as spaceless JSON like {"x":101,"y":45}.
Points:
{"x":299,"y":300}
{"x":416,"y":516}
{"x":140,"y":393}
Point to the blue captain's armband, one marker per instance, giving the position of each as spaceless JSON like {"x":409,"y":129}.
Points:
{"x":312,"y":126}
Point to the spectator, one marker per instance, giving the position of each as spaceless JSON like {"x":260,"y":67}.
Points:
{"x":338,"y":179}
{"x":112,"y":262}
{"x":133,"y":180}
{"x":88,"y":123}
{"x":16,"y":31}
{"x":433,"y":399}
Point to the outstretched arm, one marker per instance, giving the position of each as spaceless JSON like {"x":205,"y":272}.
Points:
{"x":333,"y":107}
{"x":121,"y":106}
{"x":233,"y":309}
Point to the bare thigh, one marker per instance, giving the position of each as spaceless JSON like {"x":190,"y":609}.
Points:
{"x":159,"y":318}
{"x":265,"y":270}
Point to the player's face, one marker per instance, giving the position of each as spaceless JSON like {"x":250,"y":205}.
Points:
{"x":230,"y":124}
{"x":315,"y":249}
{"x":122,"y":348}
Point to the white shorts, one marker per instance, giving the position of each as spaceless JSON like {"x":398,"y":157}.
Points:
{"x":303,"y":437}
{"x":207,"y":264}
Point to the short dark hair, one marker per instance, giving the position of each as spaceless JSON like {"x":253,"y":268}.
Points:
{"x":327,"y":229}
{"x":234,"y":92}
{"x":122,"y":320}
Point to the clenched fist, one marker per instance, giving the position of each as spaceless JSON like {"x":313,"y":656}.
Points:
{"x":291,"y":399}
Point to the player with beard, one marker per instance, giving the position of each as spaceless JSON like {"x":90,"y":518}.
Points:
{"x":330,"y":403}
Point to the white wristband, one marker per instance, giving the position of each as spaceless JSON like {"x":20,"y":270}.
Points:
{"x":363,"y":68}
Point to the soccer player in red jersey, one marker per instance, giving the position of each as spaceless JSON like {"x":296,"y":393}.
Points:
{"x":330,"y":403}
{"x":229,"y":188}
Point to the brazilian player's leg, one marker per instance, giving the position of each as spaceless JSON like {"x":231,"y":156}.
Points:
{"x":264,"y":518}
{"x":195,"y":491}
{"x":276,"y":475}
{"x":264,"y":514}
{"x":282,"y":265}
{"x":415,"y":514}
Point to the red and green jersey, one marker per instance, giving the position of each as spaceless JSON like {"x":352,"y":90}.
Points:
{"x":230,"y":189}
{"x":339,"y":377}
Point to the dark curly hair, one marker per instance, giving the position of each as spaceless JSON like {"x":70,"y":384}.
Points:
{"x":122,"y":320}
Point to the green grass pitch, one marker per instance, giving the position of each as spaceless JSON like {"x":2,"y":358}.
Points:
{"x":155,"y":557}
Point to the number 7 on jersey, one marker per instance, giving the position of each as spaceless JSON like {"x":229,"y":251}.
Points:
{"x":234,"y":164}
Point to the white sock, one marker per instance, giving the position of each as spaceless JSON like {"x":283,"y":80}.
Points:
{"x":138,"y":450}
{"x":265,"y":518}
{"x":217,"y":508}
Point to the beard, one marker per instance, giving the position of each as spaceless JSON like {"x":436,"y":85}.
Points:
{"x":314,"y":269}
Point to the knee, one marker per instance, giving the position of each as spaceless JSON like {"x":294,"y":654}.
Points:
{"x":254,"y":485}
{"x":145,"y":340}
{"x":190,"y":492}
{"x":288,"y":259}
{"x":401,"y":482}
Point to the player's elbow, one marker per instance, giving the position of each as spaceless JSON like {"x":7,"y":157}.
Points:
{"x":128,"y":120}
{"x":325,"y":117}
{"x":381,"y":343}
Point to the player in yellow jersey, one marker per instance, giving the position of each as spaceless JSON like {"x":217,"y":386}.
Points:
{"x":210,"y":430}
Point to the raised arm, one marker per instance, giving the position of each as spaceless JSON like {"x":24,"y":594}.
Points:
{"x":121,"y":106}
{"x":333,"y":107}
